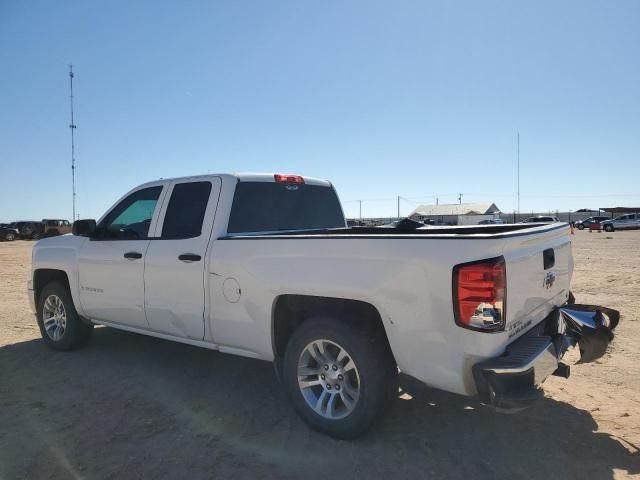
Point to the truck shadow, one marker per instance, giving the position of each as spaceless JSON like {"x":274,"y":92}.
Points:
{"x":133,"y":406}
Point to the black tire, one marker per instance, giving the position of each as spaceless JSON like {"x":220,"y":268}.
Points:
{"x":608,"y":228}
{"x":10,"y":237}
{"x":377,"y":373}
{"x":580,"y":226}
{"x":76,"y":332}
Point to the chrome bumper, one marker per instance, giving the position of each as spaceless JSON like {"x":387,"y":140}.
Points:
{"x":570,"y":334}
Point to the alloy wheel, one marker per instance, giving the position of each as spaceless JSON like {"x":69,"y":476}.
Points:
{"x":54,"y":317}
{"x":328,"y":379}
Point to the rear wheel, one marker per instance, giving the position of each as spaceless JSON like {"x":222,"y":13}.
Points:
{"x":340,"y":378}
{"x":60,"y":326}
{"x":580,"y":226}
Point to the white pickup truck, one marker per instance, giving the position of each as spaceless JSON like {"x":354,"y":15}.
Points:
{"x":264,"y":266}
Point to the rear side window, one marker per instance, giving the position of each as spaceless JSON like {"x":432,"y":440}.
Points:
{"x":186,"y":209}
{"x":272,"y":207}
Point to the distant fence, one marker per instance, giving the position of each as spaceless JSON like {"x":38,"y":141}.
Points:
{"x":562,"y":216}
{"x":474,"y":219}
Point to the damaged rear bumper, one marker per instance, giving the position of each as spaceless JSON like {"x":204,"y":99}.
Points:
{"x":570,"y":333}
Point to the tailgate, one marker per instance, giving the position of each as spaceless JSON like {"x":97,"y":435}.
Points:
{"x":539,"y":269}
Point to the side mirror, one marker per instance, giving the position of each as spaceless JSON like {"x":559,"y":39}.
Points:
{"x":83,"y":228}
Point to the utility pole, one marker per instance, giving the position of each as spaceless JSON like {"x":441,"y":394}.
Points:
{"x":460,"y":198}
{"x":436,"y":200}
{"x":72,"y":126}
{"x":518,"y":172}
{"x":360,"y":202}
{"x":398,"y":207}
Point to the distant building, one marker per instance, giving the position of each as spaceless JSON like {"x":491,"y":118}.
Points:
{"x":455,"y":213}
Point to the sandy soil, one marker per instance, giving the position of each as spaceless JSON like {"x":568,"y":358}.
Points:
{"x":130,"y":406}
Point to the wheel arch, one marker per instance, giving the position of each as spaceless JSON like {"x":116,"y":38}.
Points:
{"x":44,"y":276}
{"x":291,"y":310}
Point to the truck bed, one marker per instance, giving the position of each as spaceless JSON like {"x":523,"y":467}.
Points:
{"x":471,"y":231}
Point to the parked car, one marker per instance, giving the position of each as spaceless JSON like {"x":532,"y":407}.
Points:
{"x":9,"y":234}
{"x":30,"y":229}
{"x":404,"y":224}
{"x":56,"y":227}
{"x":631,"y":221}
{"x":586,"y":223}
{"x":541,"y":219}
{"x":491,"y":221}
{"x":264,"y":266}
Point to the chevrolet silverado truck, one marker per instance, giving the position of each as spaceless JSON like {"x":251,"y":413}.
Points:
{"x":264,"y":266}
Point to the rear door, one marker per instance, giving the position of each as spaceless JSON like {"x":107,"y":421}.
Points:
{"x":625,"y":222}
{"x":175,"y":273}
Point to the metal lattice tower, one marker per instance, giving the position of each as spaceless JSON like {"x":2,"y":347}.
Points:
{"x":72,"y":126}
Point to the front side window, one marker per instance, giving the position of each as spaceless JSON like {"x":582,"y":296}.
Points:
{"x":131,"y":218}
{"x":186,"y":209}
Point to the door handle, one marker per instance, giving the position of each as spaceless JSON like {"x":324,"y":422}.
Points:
{"x":189,"y":257}
{"x":132,"y":255}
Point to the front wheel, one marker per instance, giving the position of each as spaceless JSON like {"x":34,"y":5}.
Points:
{"x":580,"y":226}
{"x":608,"y":228}
{"x":339,"y":378}
{"x":60,"y":326}
{"x":10,"y":237}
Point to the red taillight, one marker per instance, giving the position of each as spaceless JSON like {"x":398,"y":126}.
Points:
{"x":480,"y":294}
{"x":291,"y":179}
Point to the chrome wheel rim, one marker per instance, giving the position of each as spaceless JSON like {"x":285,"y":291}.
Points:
{"x":328,"y":379}
{"x":54,"y":317}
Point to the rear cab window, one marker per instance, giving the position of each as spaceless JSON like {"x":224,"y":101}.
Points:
{"x":276,"y":207}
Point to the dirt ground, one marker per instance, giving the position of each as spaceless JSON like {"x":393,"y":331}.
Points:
{"x":130,"y":406}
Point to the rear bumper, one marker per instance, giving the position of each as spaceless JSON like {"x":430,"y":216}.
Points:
{"x":569,"y":334}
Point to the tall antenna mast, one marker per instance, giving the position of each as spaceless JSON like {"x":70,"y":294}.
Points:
{"x":72,"y":126}
{"x":518,"y":172}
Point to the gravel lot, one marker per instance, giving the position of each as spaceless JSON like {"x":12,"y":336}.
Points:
{"x":130,"y":406}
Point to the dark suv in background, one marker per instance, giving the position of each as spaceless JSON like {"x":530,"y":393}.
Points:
{"x":8,"y":233}
{"x":28,"y":229}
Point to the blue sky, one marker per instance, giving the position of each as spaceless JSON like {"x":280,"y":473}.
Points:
{"x":412,"y":98}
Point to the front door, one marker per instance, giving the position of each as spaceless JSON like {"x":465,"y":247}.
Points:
{"x":111,"y":262}
{"x":175,"y":264}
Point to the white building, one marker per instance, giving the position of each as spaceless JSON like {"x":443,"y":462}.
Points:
{"x":456,"y":213}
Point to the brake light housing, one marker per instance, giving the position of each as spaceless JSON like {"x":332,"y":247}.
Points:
{"x":480,"y":295}
{"x":290,"y":179}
